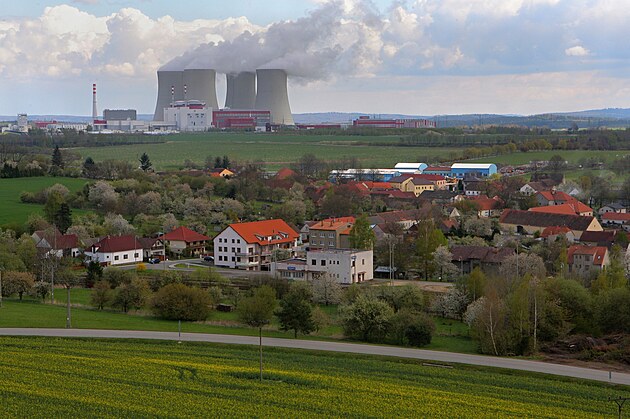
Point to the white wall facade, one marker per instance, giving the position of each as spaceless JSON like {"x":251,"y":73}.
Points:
{"x":187,"y":118}
{"x":232,"y":251}
{"x":116,"y":258}
{"x":345,"y":266}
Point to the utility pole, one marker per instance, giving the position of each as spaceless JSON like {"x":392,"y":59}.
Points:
{"x":620,"y":401}
{"x":1,"y":287}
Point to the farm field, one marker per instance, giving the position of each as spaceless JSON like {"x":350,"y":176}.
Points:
{"x":105,"y":378}
{"x":12,"y":211}
{"x":450,"y":335}
{"x":276,"y":150}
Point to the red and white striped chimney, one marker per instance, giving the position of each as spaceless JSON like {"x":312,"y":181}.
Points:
{"x":94,"y":110}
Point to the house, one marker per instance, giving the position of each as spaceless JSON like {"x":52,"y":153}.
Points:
{"x":252,"y":246}
{"x":614,"y":207}
{"x":221,"y":172}
{"x":585,"y":259}
{"x":572,"y":207}
{"x":305,"y":231}
{"x":616,"y":219}
{"x":115,"y":250}
{"x":553,"y":197}
{"x":487,"y":207}
{"x":285,"y":173}
{"x":152,"y":248}
{"x":417,"y":183}
{"x":441,"y":197}
{"x":474,"y":186}
{"x":533,"y":187}
{"x":404,"y":218}
{"x":551,"y":234}
{"x":332,"y":233}
{"x":529,"y":222}
{"x":52,"y":242}
{"x":184,"y":241}
{"x":600,"y":238}
{"x":489,"y":259}
{"x":347,"y":266}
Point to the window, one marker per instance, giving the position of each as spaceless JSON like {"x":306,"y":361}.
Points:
{"x":125,"y":256}
{"x":135,"y":255}
{"x":362,"y":261}
{"x":116,"y":257}
{"x":238,"y":240}
{"x":314,"y":262}
{"x":232,"y":240}
{"x":233,"y":259}
{"x":323,"y":262}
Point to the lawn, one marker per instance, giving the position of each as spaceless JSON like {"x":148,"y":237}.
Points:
{"x":450,"y":335}
{"x":276,"y":150}
{"x":43,"y":377}
{"x":14,"y":212}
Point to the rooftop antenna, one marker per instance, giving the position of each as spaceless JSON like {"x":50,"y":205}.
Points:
{"x":94,"y":111}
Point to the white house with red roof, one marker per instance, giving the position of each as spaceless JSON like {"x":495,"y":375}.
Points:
{"x":115,"y":250}
{"x":183,"y":240}
{"x":52,"y":242}
{"x":251,"y":246}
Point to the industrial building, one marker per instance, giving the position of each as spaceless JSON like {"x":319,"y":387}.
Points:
{"x":462,"y":170}
{"x":241,"y":91}
{"x":240,"y":119}
{"x":367,"y":122}
{"x":188,"y":115}
{"x":120,"y":114}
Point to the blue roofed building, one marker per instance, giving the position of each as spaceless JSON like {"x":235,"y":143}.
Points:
{"x":480,"y":170}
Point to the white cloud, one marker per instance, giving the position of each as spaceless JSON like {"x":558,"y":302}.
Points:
{"x":576,"y":51}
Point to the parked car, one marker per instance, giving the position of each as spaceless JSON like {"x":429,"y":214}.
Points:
{"x":154,"y":260}
{"x":209,"y":259}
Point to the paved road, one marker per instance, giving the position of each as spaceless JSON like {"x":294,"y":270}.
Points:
{"x":434,"y":356}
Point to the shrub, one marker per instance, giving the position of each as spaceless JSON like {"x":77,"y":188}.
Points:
{"x":367,"y":319}
{"x":181,"y":302}
{"x":411,"y":328}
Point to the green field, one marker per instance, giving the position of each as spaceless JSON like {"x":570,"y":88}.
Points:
{"x":450,"y":335}
{"x":12,"y":211}
{"x":277,"y":150}
{"x":43,"y":377}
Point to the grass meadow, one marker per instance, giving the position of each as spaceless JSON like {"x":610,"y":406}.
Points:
{"x":14,"y":212}
{"x":46,"y":377}
{"x":276,"y":150}
{"x":450,"y":335}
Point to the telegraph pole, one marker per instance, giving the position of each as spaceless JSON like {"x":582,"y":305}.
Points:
{"x":620,"y":401}
{"x":0,"y":287}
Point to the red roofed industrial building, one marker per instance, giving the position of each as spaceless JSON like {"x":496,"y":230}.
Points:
{"x":252,"y":246}
{"x":184,"y":241}
{"x":584,"y":259}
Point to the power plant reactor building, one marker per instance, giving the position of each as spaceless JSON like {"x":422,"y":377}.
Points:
{"x":265,"y":90}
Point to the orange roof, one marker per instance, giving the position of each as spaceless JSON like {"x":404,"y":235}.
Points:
{"x":557,"y":196}
{"x":554,"y":231}
{"x":615,"y":216}
{"x":333,"y":224}
{"x":487,"y":204}
{"x":573,"y":207}
{"x":265,"y":232}
{"x":598,"y":253}
{"x":377,"y":185}
{"x":285,"y":173}
{"x":184,"y":234}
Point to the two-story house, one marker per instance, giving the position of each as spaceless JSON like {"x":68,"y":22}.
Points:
{"x":115,"y":250}
{"x":184,"y":241}
{"x":253,"y":246}
{"x":584,"y":259}
{"x":330,"y":234}
{"x":345,"y":266}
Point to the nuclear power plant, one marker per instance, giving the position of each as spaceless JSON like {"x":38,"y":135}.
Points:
{"x":265,"y":90}
{"x":241,"y":90}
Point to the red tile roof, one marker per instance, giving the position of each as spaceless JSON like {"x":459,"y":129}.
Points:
{"x":598,"y":253}
{"x":58,"y":241}
{"x":285,"y":173}
{"x":557,"y":196}
{"x":573,"y":207}
{"x":487,"y":204}
{"x":184,"y":234}
{"x":615,"y":216}
{"x":542,"y":219}
{"x":265,"y":232}
{"x":112,"y":244}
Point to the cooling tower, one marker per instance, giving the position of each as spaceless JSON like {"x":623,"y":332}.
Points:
{"x":241,"y":91}
{"x":166,"y":81}
{"x":201,"y":85}
{"x":272,"y":95}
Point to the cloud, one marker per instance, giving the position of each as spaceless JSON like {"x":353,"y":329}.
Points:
{"x":576,"y":51}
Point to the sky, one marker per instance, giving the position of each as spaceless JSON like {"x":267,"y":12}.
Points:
{"x":416,"y":57}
